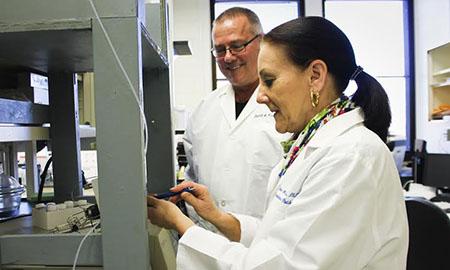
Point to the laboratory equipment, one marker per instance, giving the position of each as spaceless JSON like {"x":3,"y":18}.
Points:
{"x":10,"y":195}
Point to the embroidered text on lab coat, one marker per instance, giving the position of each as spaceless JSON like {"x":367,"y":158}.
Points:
{"x":285,"y":196}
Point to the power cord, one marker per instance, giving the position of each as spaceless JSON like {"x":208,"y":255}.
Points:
{"x":405,"y":186}
{"x":42,"y":178}
{"x":81,"y":244}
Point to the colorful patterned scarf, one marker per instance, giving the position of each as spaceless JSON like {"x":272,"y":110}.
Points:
{"x":340,"y":106}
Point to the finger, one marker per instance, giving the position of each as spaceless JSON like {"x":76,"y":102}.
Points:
{"x":175,"y":199}
{"x":189,"y":198}
{"x":151,"y":215}
{"x":181,"y":186}
{"x":150,"y":212}
{"x":199,"y":190}
{"x":152,"y":201}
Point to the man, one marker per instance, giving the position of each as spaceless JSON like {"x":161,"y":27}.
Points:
{"x":230,"y":140}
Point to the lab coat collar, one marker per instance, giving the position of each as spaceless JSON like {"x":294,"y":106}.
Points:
{"x":227,"y":103}
{"x":335,"y":127}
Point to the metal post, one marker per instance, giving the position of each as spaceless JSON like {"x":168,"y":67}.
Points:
{"x":65,"y":136}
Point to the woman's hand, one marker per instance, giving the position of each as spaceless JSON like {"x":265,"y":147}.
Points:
{"x":167,"y":215}
{"x":206,"y":208}
{"x":200,"y":199}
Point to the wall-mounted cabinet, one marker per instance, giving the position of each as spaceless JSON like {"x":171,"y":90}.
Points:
{"x":439,"y":82}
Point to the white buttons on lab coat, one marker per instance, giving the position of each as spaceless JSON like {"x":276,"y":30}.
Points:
{"x":223,"y":203}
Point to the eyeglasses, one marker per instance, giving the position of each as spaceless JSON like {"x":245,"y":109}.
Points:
{"x":234,"y":49}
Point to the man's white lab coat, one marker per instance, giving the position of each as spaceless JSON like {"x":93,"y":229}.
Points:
{"x":233,"y":157}
{"x":339,"y":206}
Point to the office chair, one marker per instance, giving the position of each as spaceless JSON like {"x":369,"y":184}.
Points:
{"x":429,"y":236}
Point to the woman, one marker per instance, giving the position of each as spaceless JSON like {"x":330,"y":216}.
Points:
{"x":335,"y":200}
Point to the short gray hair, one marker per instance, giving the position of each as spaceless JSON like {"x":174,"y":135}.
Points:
{"x":234,"y":12}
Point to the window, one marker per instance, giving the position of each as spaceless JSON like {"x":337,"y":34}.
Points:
{"x":268,"y":13}
{"x":380,"y":32}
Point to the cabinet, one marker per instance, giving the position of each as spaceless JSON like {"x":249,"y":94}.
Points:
{"x":439,"y":82}
{"x":59,"y":38}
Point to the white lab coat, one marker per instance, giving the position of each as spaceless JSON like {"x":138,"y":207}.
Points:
{"x":339,"y":206}
{"x":233,"y":157}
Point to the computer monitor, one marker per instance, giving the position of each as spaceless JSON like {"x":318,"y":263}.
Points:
{"x":436,"y":173}
{"x":398,"y":153}
{"x":436,"y":170}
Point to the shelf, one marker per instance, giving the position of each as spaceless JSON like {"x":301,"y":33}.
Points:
{"x":440,"y":85}
{"x":23,"y":112}
{"x":13,"y":133}
{"x":438,"y":78}
{"x":444,"y":72}
{"x":18,"y":133}
{"x":34,"y":245}
{"x":55,"y":45}
{"x":61,"y":45}
{"x":57,"y":40}
{"x":438,"y":121}
{"x":20,"y":234}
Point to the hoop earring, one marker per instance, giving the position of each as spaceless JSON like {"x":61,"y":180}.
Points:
{"x":314,"y":98}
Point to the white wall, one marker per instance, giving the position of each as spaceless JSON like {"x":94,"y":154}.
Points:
{"x":313,"y":8}
{"x":192,"y":77}
{"x":432,"y":28}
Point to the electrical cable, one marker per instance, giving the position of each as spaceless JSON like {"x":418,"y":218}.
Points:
{"x":119,"y":62}
{"x":42,"y":178}
{"x":405,"y":186}
{"x":81,"y":244}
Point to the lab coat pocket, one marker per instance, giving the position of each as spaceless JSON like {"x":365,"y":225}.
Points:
{"x":256,"y":196}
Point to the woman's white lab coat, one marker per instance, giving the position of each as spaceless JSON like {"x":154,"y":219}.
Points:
{"x":233,"y":157}
{"x":339,"y":206}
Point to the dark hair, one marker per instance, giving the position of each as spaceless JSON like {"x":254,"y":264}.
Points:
{"x":309,"y":38}
{"x":234,"y":12}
